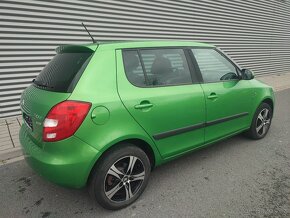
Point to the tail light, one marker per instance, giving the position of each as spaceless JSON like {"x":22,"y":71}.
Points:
{"x":63,"y":120}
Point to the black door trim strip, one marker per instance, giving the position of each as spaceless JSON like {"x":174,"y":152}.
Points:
{"x":178,"y":131}
{"x":196,"y":126}
{"x":213,"y":122}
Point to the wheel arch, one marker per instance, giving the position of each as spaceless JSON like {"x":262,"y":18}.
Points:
{"x":142,"y":145}
{"x":152,"y":153}
{"x":269,"y":101}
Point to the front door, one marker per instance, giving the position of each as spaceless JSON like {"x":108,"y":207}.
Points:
{"x":159,"y":91}
{"x":228,"y":99}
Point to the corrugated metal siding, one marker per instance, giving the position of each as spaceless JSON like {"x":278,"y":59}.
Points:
{"x":256,"y":34}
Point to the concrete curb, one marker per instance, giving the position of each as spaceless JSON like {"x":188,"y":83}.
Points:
{"x":10,"y":154}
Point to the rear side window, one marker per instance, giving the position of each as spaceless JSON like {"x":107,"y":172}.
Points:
{"x":156,"y":67}
{"x":133,"y":68}
{"x":63,"y":72}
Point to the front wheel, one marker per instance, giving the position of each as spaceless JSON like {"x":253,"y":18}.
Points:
{"x":120,"y":177}
{"x":261,"y":122}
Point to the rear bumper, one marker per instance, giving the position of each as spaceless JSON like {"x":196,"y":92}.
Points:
{"x":67,"y":162}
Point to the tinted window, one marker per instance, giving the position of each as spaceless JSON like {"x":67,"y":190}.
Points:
{"x":166,"y":67}
{"x":133,"y":68}
{"x":63,"y":72}
{"x":213,"y":66}
{"x":161,"y":67}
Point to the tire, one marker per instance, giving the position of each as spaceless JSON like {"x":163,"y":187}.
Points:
{"x":115,"y":185}
{"x":261,"y":122}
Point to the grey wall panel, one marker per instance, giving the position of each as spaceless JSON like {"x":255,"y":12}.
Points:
{"x":255,"y":33}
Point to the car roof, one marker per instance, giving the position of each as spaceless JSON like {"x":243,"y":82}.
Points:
{"x":105,"y":45}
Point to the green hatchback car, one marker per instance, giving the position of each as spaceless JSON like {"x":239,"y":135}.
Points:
{"x":103,"y":115}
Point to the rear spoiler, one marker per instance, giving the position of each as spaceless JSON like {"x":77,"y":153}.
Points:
{"x":74,"y":49}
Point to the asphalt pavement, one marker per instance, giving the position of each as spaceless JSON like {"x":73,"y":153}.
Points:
{"x":237,"y":177}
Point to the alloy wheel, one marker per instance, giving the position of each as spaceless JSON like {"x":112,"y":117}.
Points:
{"x":263,"y":122}
{"x":124,"y":179}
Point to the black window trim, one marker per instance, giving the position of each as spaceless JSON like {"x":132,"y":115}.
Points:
{"x":195,"y":64}
{"x":192,"y":68}
{"x":238,"y":70}
{"x":143,"y":67}
{"x":186,"y":50}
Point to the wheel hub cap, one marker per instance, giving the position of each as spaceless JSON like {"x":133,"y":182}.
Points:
{"x":125,"y":179}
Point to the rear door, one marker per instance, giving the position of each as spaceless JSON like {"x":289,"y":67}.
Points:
{"x":53,"y":85}
{"x":159,"y":91}
{"x":228,"y":98}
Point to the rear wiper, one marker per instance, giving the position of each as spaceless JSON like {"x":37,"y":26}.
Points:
{"x":41,"y":84}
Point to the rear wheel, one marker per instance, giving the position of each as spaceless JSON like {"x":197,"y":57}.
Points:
{"x":261,"y":122}
{"x":120,"y":177}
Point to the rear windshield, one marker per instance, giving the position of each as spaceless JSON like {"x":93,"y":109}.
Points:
{"x":62,"y":73}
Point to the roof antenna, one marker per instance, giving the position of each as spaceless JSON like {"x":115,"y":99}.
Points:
{"x":88,"y":32}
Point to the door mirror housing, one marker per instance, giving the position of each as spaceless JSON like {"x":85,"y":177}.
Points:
{"x":247,"y":74}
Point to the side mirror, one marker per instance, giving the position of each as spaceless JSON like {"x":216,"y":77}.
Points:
{"x":247,"y":74}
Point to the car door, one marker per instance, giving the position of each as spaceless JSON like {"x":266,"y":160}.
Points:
{"x":228,"y":98}
{"x":157,"y":88}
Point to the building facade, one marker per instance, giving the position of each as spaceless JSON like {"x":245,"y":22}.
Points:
{"x":255,"y":33}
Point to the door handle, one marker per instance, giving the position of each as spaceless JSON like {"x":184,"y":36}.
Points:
{"x":212,"y":95}
{"x":143,"y":105}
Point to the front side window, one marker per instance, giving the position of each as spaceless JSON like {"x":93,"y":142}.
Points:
{"x":160,"y":67}
{"x":213,"y":66}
